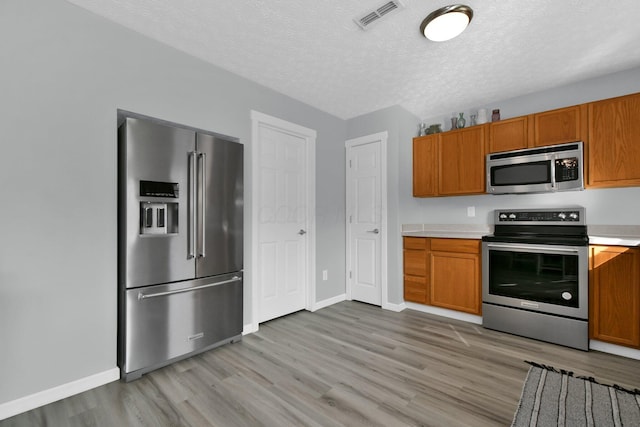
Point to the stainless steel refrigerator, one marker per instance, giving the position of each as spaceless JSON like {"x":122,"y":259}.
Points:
{"x":180,"y":250}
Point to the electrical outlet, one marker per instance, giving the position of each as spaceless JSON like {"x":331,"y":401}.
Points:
{"x":471,"y":211}
{"x":325,"y":274}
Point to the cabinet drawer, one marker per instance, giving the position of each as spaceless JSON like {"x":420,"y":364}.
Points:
{"x":415,"y":263}
{"x":414,"y":243}
{"x":415,"y":289}
{"x":470,"y":246}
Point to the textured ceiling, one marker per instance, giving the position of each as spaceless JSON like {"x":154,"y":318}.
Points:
{"x":313,"y":51}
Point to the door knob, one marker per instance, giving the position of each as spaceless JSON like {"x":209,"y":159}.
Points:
{"x":302,"y":232}
{"x":374,"y":231}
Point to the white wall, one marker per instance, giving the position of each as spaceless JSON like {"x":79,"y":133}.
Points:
{"x":65,"y":72}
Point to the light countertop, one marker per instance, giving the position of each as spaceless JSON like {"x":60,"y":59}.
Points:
{"x":614,"y":235}
{"x":449,"y":231}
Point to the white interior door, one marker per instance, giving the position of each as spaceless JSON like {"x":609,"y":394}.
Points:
{"x":366,"y":218}
{"x":283,"y":210}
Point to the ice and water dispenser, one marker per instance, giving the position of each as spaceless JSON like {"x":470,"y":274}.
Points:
{"x":158,"y":217}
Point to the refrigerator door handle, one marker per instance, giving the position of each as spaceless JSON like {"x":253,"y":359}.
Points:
{"x":142,"y":296}
{"x":203,"y":202}
{"x":191,"y":241}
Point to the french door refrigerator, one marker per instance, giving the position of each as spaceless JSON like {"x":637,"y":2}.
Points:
{"x":180,"y":250}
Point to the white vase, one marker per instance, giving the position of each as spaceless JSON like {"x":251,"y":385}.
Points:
{"x":482,"y":116}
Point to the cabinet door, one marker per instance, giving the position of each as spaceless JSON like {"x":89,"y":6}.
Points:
{"x":462,"y":161}
{"x":511,"y":134}
{"x":425,"y":166}
{"x":614,"y":142}
{"x":614,"y":279}
{"x":455,"y":280}
{"x":560,"y":126}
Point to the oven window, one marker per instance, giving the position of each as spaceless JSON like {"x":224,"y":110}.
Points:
{"x":540,"y":277}
{"x":521,"y":173}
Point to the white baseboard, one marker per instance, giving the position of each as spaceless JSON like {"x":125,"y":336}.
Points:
{"x":614,"y":349}
{"x":451,"y":314}
{"x":330,"y":301}
{"x":249,"y":328}
{"x":394,"y":307}
{"x":27,"y":403}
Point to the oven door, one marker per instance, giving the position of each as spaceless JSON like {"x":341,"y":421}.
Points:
{"x":549,"y":279}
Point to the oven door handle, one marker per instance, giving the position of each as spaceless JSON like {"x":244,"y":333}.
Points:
{"x":533,"y":248}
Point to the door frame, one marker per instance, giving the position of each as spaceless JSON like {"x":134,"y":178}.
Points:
{"x":380,"y":137}
{"x":258,"y":120}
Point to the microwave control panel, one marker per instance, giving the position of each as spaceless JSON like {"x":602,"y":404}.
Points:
{"x":567,"y":169}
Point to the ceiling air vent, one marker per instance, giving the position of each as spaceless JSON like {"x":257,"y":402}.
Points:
{"x":370,"y":17}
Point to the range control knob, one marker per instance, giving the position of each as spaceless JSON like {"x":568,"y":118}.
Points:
{"x":573,"y":215}
{"x":503,"y":216}
{"x":512,"y":216}
{"x":562,"y":215}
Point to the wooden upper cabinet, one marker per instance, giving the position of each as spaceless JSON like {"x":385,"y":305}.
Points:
{"x":510,"y":134}
{"x":560,"y":126}
{"x":425,"y":166}
{"x":461,"y":163}
{"x":614,"y":282}
{"x":537,"y":130}
{"x":614,"y":142}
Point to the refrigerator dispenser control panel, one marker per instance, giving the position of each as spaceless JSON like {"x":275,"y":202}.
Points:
{"x":159,"y":189}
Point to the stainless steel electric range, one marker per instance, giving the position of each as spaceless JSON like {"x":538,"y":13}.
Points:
{"x":535,"y":275}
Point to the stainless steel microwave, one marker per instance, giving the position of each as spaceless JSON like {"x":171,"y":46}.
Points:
{"x":536,"y":170}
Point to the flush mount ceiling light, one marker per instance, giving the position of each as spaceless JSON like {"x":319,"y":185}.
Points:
{"x":446,"y":22}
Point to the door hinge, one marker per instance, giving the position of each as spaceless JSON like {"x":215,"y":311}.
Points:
{"x":350,"y":219}
{"x":350,"y":163}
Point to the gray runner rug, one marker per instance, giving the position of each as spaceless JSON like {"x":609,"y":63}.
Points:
{"x":557,"y":398}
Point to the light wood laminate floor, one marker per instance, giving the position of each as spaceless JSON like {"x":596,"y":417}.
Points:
{"x":350,"y":364}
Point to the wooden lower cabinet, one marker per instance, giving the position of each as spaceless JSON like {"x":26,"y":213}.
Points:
{"x":455,"y":274}
{"x":415,"y":269}
{"x":443,"y":273}
{"x":614,"y":283}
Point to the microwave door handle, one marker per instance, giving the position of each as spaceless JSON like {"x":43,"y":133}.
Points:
{"x":553,"y":171}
